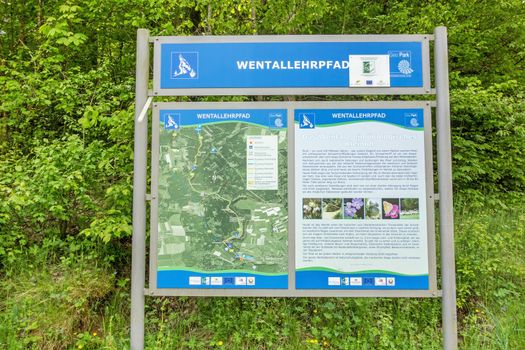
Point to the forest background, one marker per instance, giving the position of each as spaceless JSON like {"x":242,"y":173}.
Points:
{"x":66,"y":130}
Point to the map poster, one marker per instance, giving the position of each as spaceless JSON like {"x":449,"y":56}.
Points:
{"x":360,"y":199}
{"x":222,"y":199}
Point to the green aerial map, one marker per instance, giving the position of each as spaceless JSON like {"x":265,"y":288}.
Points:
{"x":208,"y":219}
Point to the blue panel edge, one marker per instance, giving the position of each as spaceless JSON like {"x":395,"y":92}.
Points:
{"x":317,"y":279}
{"x":181,"y":279}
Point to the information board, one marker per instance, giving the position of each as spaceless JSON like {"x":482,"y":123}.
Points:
{"x":344,"y":206}
{"x":292,"y":64}
{"x":222,"y":190}
{"x":361,"y":198}
{"x":340,"y":204}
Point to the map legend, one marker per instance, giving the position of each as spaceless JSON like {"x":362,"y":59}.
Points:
{"x":262,"y":162}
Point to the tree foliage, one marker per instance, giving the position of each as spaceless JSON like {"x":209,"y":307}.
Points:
{"x":66,"y":150}
{"x":66,"y":81}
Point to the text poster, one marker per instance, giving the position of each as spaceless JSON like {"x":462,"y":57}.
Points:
{"x":360,"y":199}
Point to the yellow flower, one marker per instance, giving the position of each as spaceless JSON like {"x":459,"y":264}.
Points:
{"x":94,"y":334}
{"x":220,"y":343}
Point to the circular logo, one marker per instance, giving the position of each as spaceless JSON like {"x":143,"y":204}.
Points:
{"x":278,"y":122}
{"x":404,"y":67}
{"x":414,"y":122}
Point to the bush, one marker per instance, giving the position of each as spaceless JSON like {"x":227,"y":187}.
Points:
{"x":65,"y":188}
{"x":488,"y":134}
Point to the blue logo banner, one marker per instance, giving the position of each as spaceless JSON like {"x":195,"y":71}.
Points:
{"x":316,"y":279}
{"x":219,"y":280}
{"x":281,"y":64}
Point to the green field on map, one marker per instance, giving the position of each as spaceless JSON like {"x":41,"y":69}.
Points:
{"x":208,"y":220}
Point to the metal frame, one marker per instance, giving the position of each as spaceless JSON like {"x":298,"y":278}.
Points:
{"x":291,"y":291}
{"x":449,"y":313}
{"x":425,"y":56}
{"x":446,"y":211}
{"x":138,"y":249}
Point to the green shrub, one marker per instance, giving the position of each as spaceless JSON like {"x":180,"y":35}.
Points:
{"x":488,"y":134}
{"x":65,"y":188}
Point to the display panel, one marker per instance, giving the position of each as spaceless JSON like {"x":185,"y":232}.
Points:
{"x":222,"y":198}
{"x":361,"y":199}
{"x":340,"y":204}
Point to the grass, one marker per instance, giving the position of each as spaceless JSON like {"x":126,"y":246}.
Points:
{"x":77,"y":304}
{"x":44,"y":307}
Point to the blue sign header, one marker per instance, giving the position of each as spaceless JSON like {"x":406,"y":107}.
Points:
{"x":271,"y":118}
{"x":281,"y":64}
{"x":310,"y":118}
